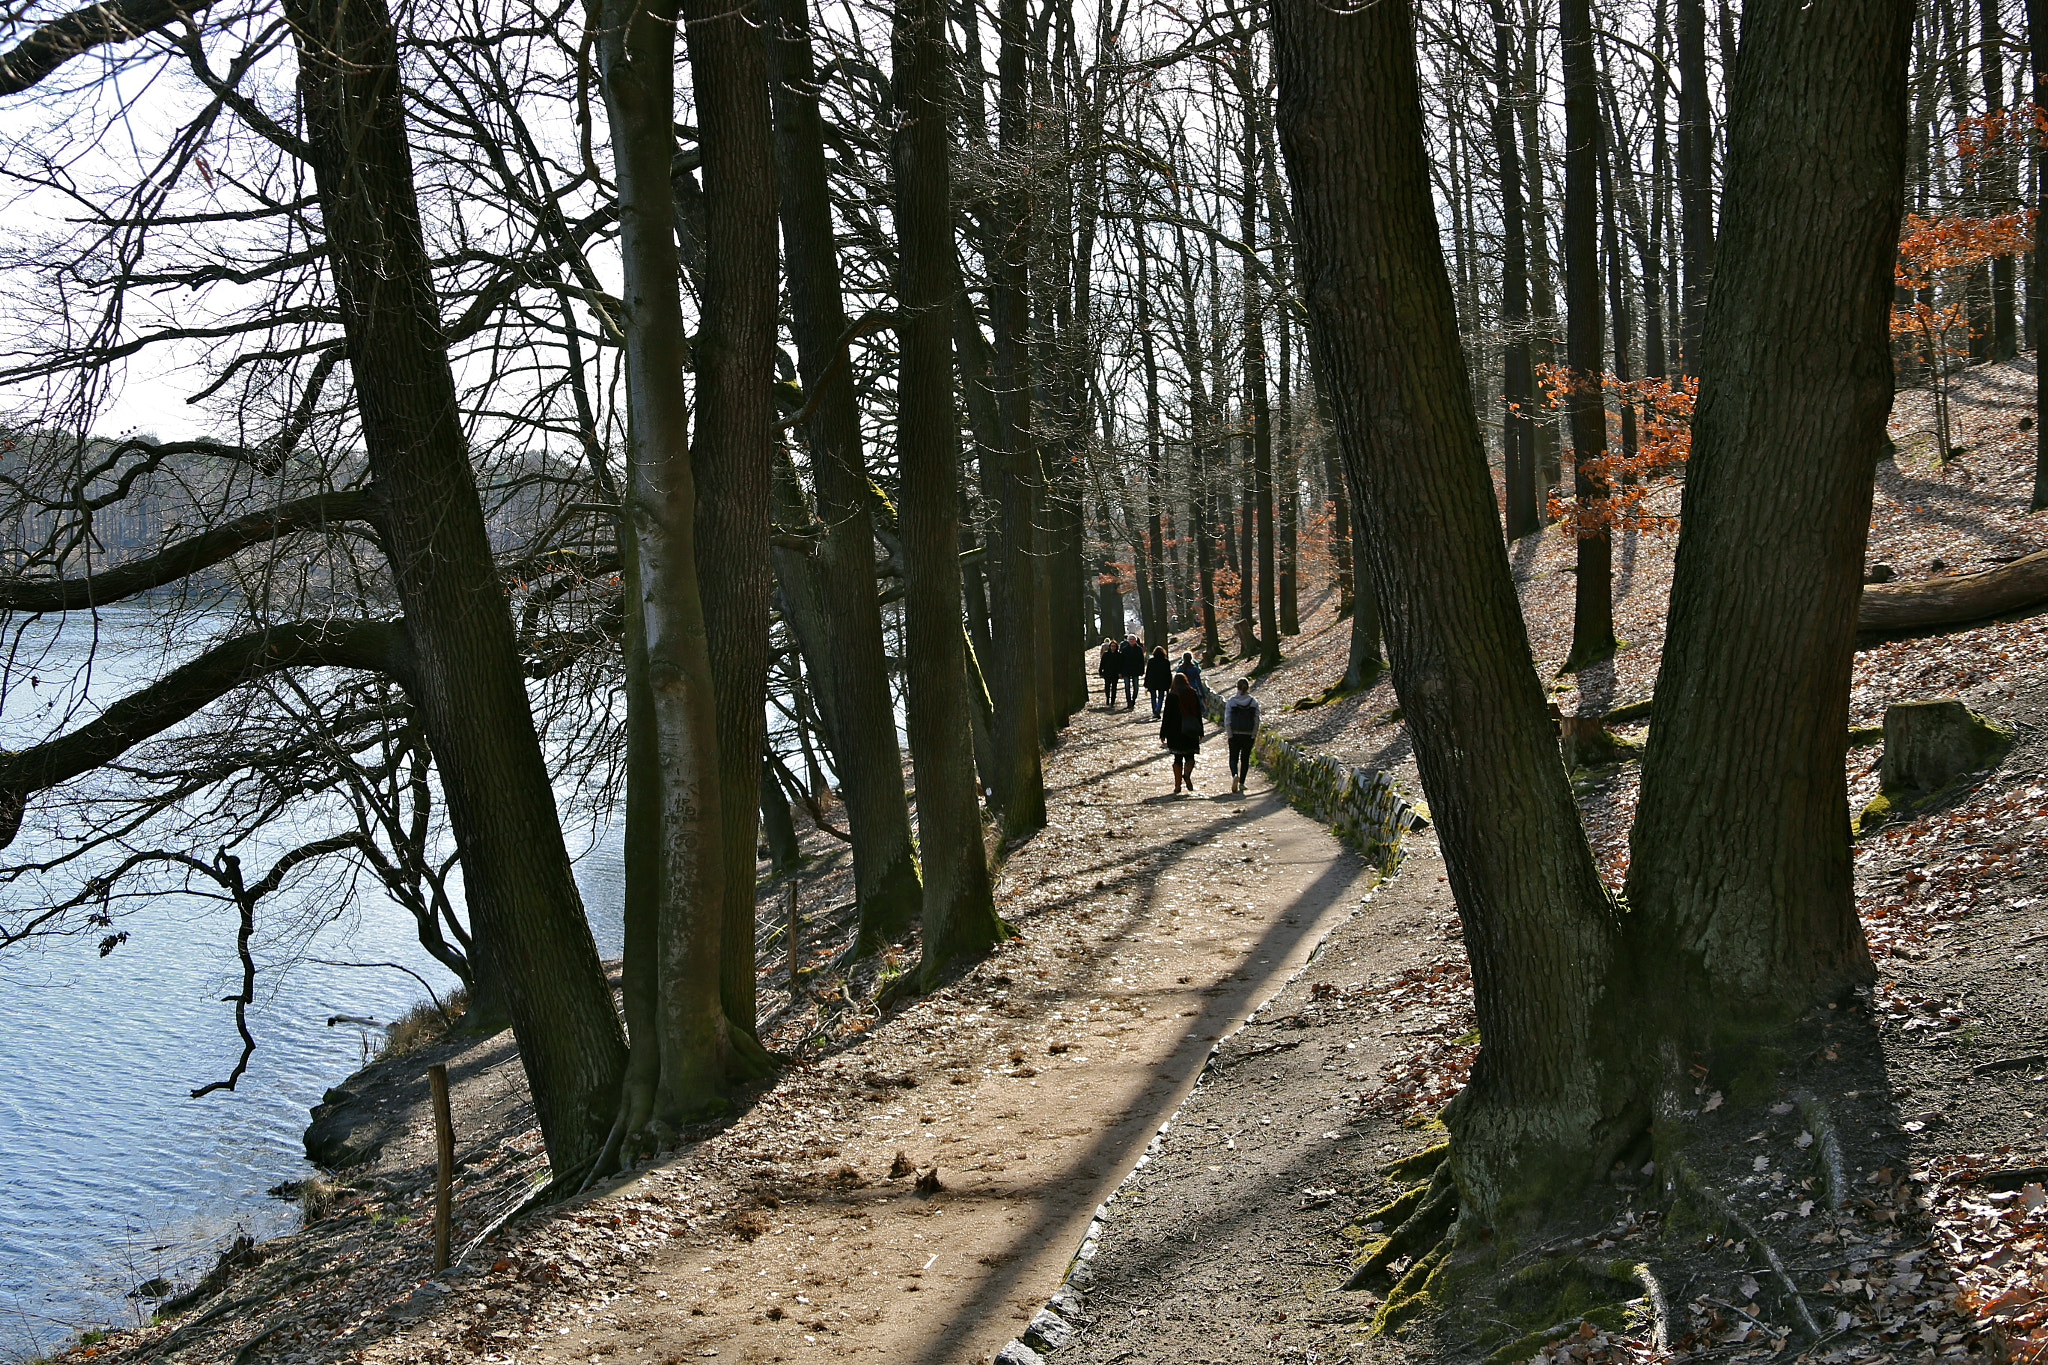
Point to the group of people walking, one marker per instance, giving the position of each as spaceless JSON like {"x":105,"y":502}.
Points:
{"x":1176,"y":694}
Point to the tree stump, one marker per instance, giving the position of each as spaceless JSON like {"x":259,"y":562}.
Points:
{"x":1927,"y":745}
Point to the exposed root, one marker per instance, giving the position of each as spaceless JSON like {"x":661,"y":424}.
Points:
{"x":1423,"y":1229}
{"x":1418,"y":1165}
{"x":1409,"y":1296}
{"x":1726,"y":1211}
{"x":1827,"y":1142}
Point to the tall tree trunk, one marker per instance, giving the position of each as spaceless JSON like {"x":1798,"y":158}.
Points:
{"x":1287,"y":497}
{"x":730,"y":453}
{"x":1156,"y":624}
{"x":886,"y":888}
{"x":1518,"y":433}
{"x":683,"y":1048}
{"x":1255,"y":388}
{"x":1741,"y":875}
{"x":1011,"y":474}
{"x":2037,"y":268}
{"x":533,"y":945}
{"x":1203,"y":518}
{"x":1585,"y":342}
{"x":1695,"y":172}
{"x":1539,"y":928}
{"x":959,"y":908}
{"x":2005,"y":337}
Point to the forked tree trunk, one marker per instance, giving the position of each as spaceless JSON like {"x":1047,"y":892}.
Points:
{"x":1548,"y":1103}
{"x":532,"y":940}
{"x":1741,"y":870}
{"x":959,"y":908}
{"x":683,"y":1048}
{"x":886,"y":888}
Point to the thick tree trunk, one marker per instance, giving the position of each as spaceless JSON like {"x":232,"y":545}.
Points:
{"x":1585,"y":339}
{"x":533,"y":942}
{"x":734,"y":355}
{"x":1741,"y":873}
{"x":886,"y":888}
{"x":1547,"y":1106}
{"x":959,"y":908}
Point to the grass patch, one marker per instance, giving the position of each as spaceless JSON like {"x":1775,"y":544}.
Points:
{"x":424,"y":1024}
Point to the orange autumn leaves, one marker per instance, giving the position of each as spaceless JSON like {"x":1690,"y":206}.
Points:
{"x":1660,"y":410}
{"x":1931,"y":323}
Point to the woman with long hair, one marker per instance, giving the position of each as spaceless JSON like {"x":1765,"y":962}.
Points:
{"x":1180,"y":730}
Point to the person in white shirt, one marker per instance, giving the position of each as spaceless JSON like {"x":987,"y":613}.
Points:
{"x":1241,"y":725}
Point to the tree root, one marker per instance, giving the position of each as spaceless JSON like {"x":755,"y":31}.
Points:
{"x":1827,"y":1142}
{"x":1417,"y":1165}
{"x":1435,"y":1207}
{"x":1408,"y":1296}
{"x":1726,"y":1211}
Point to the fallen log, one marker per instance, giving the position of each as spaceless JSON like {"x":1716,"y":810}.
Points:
{"x":1955,"y":598}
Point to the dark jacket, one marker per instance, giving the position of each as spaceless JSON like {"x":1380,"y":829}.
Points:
{"x":1178,"y":728}
{"x":1158,"y":673}
{"x":1111,"y":665}
{"x":1133,"y":657}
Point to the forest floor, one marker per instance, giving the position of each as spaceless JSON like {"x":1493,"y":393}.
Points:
{"x":1151,"y":927}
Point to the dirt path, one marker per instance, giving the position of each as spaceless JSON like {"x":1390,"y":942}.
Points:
{"x":1151,"y":925}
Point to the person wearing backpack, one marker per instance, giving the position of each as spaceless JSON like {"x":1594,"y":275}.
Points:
{"x":1158,"y":677}
{"x":1180,"y":730}
{"x":1192,"y":671}
{"x":1109,"y":668}
{"x":1241,"y":725}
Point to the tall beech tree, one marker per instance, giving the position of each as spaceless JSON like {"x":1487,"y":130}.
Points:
{"x":733,"y":355}
{"x":1579,"y":1039}
{"x":685,"y":1051}
{"x":959,"y":906}
{"x":886,"y":887}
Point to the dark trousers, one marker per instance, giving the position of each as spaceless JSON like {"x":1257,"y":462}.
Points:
{"x":1158,"y":696}
{"x":1130,"y":689}
{"x":1241,"y":755}
{"x":1109,"y":690}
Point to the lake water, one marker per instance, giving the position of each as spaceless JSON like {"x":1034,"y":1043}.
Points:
{"x":110,"y":1174}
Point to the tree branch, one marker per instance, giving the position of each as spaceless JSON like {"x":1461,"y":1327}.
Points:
{"x":82,"y":30}
{"x":184,"y":558}
{"x":380,"y":646}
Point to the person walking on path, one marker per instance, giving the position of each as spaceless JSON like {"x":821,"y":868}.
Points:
{"x":1192,"y":671}
{"x":1241,"y":726}
{"x":1109,"y":669}
{"x":1131,"y":660}
{"x":1180,"y":730}
{"x":1158,"y":677}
